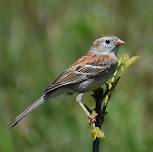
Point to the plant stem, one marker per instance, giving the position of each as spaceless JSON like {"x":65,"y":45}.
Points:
{"x":102,"y":96}
{"x":99,"y":96}
{"x":100,"y":110}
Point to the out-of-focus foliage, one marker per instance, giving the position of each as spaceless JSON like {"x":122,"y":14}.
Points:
{"x":39,"y":39}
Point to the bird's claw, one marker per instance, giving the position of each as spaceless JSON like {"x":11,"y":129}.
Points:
{"x":92,"y":118}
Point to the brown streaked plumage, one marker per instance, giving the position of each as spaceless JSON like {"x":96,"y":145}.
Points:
{"x":92,"y":69}
{"x":70,"y":75}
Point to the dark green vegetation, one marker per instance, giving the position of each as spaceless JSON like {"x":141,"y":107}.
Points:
{"x":38,"y":39}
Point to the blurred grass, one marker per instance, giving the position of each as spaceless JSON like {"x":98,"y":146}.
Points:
{"x":39,"y":39}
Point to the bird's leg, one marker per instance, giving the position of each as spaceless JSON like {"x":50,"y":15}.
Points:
{"x":79,"y":100}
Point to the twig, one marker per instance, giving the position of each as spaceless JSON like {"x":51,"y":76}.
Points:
{"x":102,"y":96}
{"x":98,"y":93}
{"x":101,"y":100}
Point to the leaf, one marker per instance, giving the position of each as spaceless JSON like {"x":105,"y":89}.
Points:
{"x":124,"y":62}
{"x":132,"y":60}
{"x":96,"y":132}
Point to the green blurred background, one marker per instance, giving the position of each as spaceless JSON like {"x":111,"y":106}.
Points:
{"x":39,"y":39}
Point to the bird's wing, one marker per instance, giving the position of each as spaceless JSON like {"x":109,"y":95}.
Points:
{"x":88,"y":66}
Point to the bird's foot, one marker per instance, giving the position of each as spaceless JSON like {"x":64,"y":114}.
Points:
{"x":92,"y":117}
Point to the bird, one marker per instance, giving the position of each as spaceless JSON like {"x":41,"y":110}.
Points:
{"x":90,"y":71}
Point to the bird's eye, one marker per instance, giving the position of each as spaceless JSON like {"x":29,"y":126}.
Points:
{"x":107,"y":41}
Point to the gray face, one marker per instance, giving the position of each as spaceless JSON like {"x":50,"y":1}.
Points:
{"x":107,"y":44}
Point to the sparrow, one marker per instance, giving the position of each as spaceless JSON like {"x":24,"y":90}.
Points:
{"x":91,"y":71}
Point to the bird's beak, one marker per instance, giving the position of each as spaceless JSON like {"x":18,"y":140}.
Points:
{"x":119,"y":42}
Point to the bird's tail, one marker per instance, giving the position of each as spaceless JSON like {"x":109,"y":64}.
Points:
{"x":29,"y":109}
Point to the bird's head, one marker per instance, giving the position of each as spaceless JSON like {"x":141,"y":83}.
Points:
{"x":106,"y":44}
